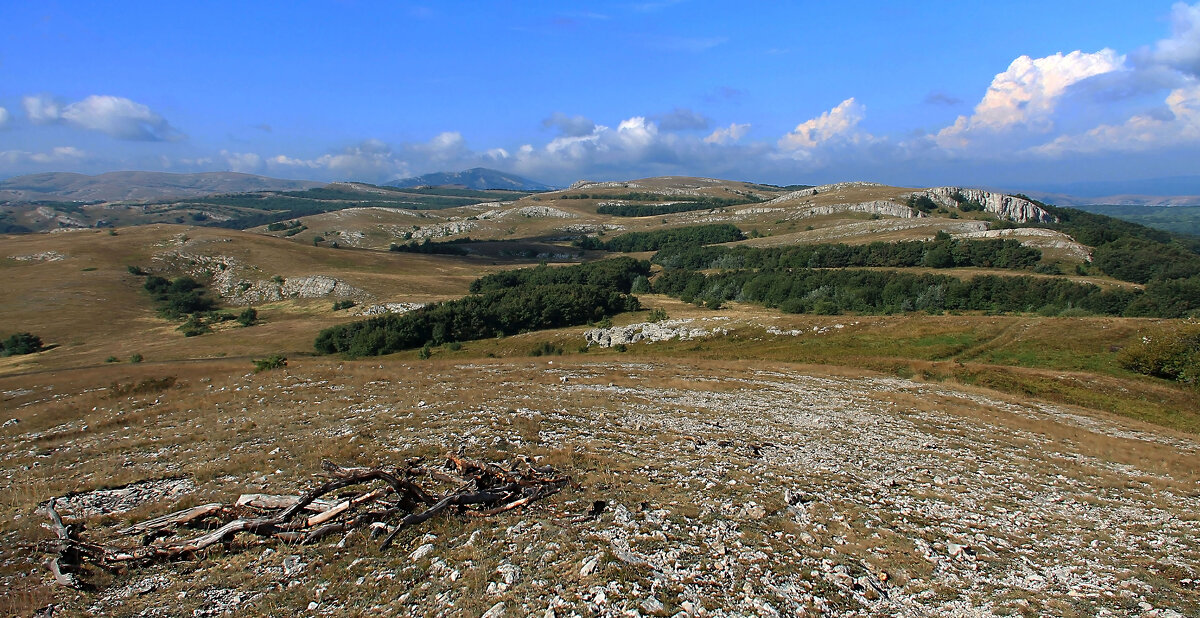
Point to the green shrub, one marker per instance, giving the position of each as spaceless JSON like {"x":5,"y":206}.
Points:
{"x":546,"y":348}
{"x":425,"y":352}
{"x":274,"y":361}
{"x":1173,"y":355}
{"x":193,"y":327}
{"x":111,"y":359}
{"x":21,"y":343}
{"x":343,"y":304}
{"x":248,"y":317}
{"x":658,"y":314}
{"x":454,"y":346}
{"x":136,"y":358}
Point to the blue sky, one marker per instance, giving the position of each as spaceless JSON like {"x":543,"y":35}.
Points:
{"x":1014,"y":94}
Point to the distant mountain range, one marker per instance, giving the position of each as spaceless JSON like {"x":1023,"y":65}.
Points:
{"x":122,"y":186}
{"x":480,"y":178}
{"x":1075,"y":201}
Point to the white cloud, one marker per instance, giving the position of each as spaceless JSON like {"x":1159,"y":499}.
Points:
{"x":728,"y":135}
{"x":58,"y":155}
{"x":637,"y":132}
{"x":116,"y":116}
{"x":41,"y":109}
{"x":1026,"y":94}
{"x":1141,"y":132}
{"x":4,"y":116}
{"x":840,"y":121}
{"x":1182,"y":50}
{"x":373,"y":160}
{"x":246,"y":162}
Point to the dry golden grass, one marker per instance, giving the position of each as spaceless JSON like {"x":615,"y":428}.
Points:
{"x":194,"y":408}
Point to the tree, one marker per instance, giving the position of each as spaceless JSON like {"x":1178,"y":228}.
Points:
{"x":21,"y":343}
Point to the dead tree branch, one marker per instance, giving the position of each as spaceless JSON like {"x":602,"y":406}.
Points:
{"x":476,"y":489}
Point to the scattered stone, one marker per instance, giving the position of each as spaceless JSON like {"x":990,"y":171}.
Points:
{"x":421,"y":552}
{"x":589,"y":565}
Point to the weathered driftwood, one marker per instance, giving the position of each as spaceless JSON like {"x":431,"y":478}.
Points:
{"x":477,"y":489}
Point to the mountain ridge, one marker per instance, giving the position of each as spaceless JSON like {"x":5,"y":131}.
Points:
{"x":475,"y":178}
{"x":138,"y":185}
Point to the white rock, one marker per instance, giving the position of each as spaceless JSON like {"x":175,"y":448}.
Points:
{"x":589,"y":565}
{"x":422,"y":551}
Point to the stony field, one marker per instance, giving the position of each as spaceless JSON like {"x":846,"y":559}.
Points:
{"x":731,"y":489}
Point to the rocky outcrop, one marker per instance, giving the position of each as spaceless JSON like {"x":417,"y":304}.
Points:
{"x":1003,"y":206}
{"x":450,"y":228}
{"x":811,"y":191}
{"x":238,"y":283}
{"x":44,"y":256}
{"x":877,"y":207}
{"x":530,"y":212}
{"x":648,"y":331}
{"x":386,"y":308}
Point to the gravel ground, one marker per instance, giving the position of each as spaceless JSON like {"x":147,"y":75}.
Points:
{"x":731,"y":490}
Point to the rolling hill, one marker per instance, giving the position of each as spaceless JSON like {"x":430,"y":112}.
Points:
{"x":822,"y":401}
{"x":137,"y":186}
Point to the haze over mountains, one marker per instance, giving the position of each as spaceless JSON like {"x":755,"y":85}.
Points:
{"x":145,"y":186}
{"x":134,"y":185}
{"x":475,"y":178}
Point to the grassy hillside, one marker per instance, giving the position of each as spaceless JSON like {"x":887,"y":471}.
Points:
{"x":752,"y":436}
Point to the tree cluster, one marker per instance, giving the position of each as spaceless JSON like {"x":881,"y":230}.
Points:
{"x":885,"y":292}
{"x":691,"y":236}
{"x":21,"y":343}
{"x":678,"y":204}
{"x":500,"y":304}
{"x":942,"y":252}
{"x":178,"y":297}
{"x":430,"y":248}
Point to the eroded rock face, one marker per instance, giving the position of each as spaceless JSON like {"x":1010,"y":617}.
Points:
{"x":1003,"y":206}
{"x":884,"y":208}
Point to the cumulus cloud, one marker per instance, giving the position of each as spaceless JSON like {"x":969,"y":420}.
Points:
{"x":1178,"y":123}
{"x":1025,"y":95}
{"x":4,"y":116}
{"x":682,"y":119}
{"x":841,"y":121}
{"x":246,"y":162}
{"x":571,"y":126}
{"x":367,"y":160}
{"x":1082,"y":102}
{"x":116,"y":116}
{"x":1182,"y":49}
{"x":41,"y":109}
{"x":374,"y":160}
{"x":728,"y":135}
{"x":58,"y":155}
